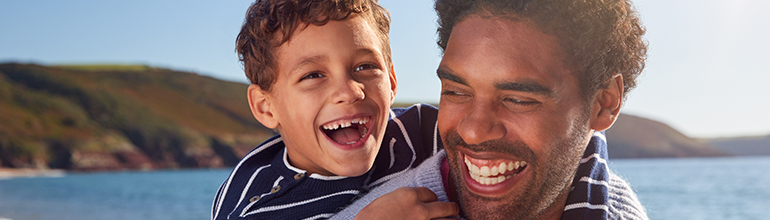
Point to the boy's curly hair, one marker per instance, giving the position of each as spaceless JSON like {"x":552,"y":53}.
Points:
{"x":270,"y":23}
{"x":599,"y":37}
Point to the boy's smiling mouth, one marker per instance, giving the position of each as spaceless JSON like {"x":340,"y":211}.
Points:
{"x":347,"y":131}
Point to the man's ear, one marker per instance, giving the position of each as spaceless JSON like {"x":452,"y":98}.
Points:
{"x":393,"y":84}
{"x":260,"y":107}
{"x":606,"y":106}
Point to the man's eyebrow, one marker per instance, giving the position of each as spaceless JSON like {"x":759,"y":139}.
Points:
{"x":525,"y":86}
{"x":444,"y":73}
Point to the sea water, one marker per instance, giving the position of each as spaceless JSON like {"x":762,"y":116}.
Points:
{"x":702,"y":188}
{"x":185,"y":194}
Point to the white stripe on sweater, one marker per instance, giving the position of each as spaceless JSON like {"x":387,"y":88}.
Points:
{"x":595,"y":155}
{"x":392,"y":153}
{"x":230,"y":179}
{"x":600,"y":136}
{"x":406,"y":137}
{"x":314,"y":175}
{"x":248,"y":185}
{"x":320,"y":216}
{"x":279,"y":207}
{"x":593,"y":181}
{"x":435,"y":139}
{"x":586,"y":205}
{"x":277,"y":181}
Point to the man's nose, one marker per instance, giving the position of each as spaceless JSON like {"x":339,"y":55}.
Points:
{"x":348,"y":90}
{"x":481,"y":124}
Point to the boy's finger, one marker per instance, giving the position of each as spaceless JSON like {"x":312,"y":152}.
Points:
{"x":424,"y":194}
{"x":442,"y":209}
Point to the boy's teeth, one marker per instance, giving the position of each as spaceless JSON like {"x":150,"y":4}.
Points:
{"x":362,"y":130}
{"x":344,"y":124}
{"x":489,"y":176}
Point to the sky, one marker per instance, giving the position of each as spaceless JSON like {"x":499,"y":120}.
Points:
{"x":706,"y":73}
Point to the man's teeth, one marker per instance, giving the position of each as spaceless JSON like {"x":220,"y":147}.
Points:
{"x":345,"y":123}
{"x":489,"y":176}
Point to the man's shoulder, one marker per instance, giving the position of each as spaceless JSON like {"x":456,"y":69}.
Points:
{"x":426,"y":175}
{"x":623,"y":202}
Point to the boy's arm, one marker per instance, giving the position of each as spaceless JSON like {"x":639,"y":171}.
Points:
{"x":408,"y":203}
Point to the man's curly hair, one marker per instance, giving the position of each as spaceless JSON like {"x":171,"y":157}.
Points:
{"x":599,"y":37}
{"x":270,"y":23}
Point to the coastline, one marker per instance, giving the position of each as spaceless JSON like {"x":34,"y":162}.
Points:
{"x":9,"y":173}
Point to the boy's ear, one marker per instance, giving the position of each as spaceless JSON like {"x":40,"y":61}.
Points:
{"x":260,"y":107}
{"x":393,"y":84}
{"x":606,"y":106}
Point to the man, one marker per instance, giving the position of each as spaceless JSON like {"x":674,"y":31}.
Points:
{"x":527,"y":88}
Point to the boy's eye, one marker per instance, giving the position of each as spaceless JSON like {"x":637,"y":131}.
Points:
{"x":312,"y":75}
{"x":364,"y":67}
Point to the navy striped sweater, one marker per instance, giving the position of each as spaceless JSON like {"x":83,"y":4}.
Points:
{"x":596,"y":192}
{"x":265,"y":186}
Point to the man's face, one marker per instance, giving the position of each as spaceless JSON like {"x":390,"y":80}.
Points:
{"x":332,"y":97}
{"x":512,"y":119}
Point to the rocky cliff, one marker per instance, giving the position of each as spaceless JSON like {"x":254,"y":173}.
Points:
{"x":121,"y":117}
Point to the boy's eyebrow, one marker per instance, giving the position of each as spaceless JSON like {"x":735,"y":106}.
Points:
{"x":323,"y":58}
{"x":310,"y":60}
{"x":364,"y":52}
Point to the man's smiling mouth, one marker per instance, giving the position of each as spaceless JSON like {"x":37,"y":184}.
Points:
{"x":491,"y":172}
{"x":347,"y":131}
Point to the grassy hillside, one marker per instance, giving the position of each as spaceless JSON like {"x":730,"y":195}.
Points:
{"x":121,"y":117}
{"x":635,"y":137}
{"x":111,"y":117}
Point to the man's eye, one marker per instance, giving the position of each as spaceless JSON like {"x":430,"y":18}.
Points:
{"x":451,"y":93}
{"x":520,"y":102}
{"x":312,"y":75}
{"x":455,"y":96}
{"x":518,"y":105}
{"x":364,"y":67}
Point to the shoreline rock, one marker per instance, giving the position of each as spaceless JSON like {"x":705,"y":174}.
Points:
{"x":9,"y":173}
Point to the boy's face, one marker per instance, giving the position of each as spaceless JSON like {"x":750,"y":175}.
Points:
{"x":332,"y":96}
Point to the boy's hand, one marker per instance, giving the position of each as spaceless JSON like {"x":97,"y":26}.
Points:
{"x":408,"y":203}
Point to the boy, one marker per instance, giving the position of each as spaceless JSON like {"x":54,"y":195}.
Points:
{"x":321,"y":75}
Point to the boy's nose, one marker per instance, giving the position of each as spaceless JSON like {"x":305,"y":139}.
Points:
{"x":349,"y":91}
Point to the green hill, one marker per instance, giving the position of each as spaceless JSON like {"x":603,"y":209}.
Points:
{"x":121,"y":117}
{"x":114,"y":117}
{"x":636,"y":137}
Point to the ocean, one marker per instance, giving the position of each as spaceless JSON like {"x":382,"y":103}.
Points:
{"x":696,"y":188}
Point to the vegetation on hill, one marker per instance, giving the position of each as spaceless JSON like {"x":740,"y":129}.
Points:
{"x":112,"y":117}
{"x":635,"y":137}
{"x":121,"y":117}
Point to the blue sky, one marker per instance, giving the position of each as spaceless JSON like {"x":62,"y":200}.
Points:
{"x":706,"y":75}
